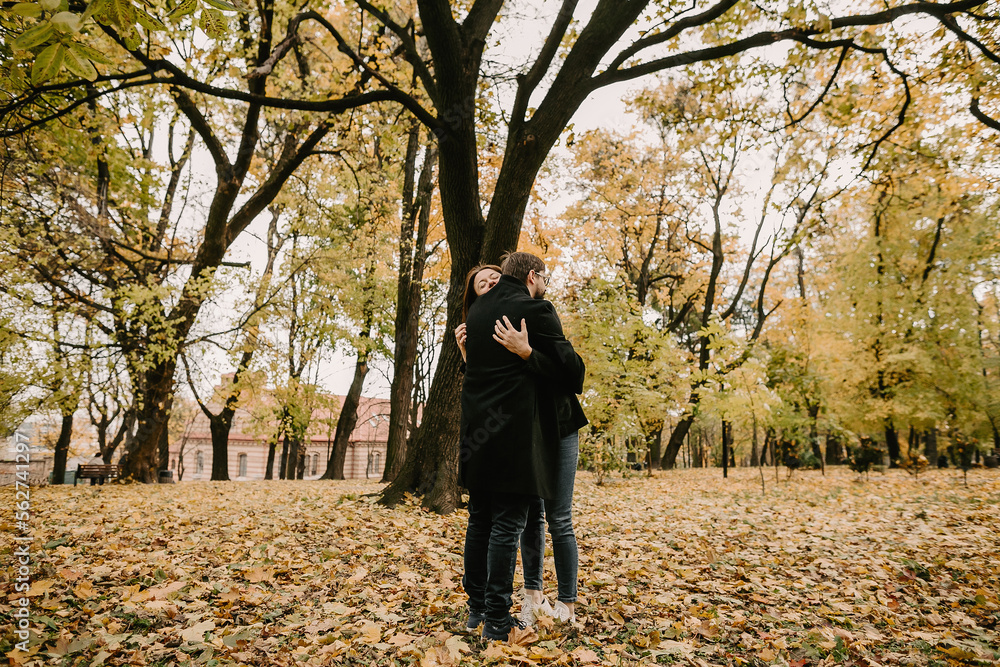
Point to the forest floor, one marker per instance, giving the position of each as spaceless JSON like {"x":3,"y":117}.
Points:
{"x":681,"y":568}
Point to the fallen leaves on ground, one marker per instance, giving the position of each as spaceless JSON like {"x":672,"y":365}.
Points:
{"x":682,"y":568}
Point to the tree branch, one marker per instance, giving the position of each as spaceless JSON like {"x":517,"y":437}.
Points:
{"x":527,"y":83}
{"x":409,"y":45}
{"x":981,"y":116}
{"x":223,"y":167}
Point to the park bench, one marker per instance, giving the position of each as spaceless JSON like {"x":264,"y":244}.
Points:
{"x":96,"y":471}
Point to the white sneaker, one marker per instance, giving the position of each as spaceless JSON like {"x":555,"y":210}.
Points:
{"x":530,"y":610}
{"x":561,"y":612}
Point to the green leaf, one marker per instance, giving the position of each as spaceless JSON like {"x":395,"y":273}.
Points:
{"x":56,"y":543}
{"x":29,"y":10}
{"x":90,"y":53}
{"x":47,"y":63}
{"x":131,"y":37}
{"x":67,"y":22}
{"x":79,"y":64}
{"x":122,"y":14}
{"x":49,"y":5}
{"x":148,"y":21}
{"x":92,"y":9}
{"x":32,"y":37}
{"x":223,"y":5}
{"x":183,"y":8}
{"x":214,"y":23}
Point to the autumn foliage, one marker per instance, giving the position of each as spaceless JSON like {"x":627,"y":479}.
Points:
{"x":817,"y":570}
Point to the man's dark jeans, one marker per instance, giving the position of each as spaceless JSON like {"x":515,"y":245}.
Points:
{"x":495,"y":524}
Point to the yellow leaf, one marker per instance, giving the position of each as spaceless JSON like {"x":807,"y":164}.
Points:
{"x":959,"y":653}
{"x":584,"y":655}
{"x":196,"y":632}
{"x":521,"y":637}
{"x":84,"y":590}
{"x":260,"y":575}
{"x":40,"y":587}
{"x":401,"y":639}
{"x":370,"y":632}
{"x":495,"y":652}
{"x":32,"y":37}
{"x":47,"y":63}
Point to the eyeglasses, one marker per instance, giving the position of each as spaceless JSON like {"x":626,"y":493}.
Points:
{"x":545,"y":278}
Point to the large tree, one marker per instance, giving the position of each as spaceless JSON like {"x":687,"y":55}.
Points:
{"x":445,"y":44}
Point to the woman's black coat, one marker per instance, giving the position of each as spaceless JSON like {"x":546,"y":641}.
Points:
{"x":510,"y":428}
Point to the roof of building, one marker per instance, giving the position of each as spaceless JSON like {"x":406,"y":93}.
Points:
{"x":257,"y":421}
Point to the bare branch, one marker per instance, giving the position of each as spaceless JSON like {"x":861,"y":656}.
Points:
{"x":981,"y":116}
{"x":528,"y":82}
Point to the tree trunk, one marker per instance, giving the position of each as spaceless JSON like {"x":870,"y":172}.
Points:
{"x":892,"y":444}
{"x":272,"y":446}
{"x":654,"y":441}
{"x":283,"y":463}
{"x":62,"y":449}
{"x":431,"y":466}
{"x":726,"y":447}
{"x":834,"y":450}
{"x":698,"y":452}
{"x":163,"y":459}
{"x":124,"y":434}
{"x":140,"y":462}
{"x":291,"y":461}
{"x":347,"y":421}
{"x":817,"y":451}
{"x":220,"y":426}
{"x":412,"y":258}
{"x":676,"y":440}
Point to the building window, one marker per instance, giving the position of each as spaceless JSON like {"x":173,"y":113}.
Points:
{"x":199,"y":465}
{"x":374,"y":464}
{"x":243,"y":465}
{"x":315,"y":467}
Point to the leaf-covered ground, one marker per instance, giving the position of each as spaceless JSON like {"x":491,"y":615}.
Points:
{"x":684,"y":568}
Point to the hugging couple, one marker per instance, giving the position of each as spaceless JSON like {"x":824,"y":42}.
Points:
{"x":518,"y":445}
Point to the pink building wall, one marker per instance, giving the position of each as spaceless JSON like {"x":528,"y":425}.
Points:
{"x":191,"y":456}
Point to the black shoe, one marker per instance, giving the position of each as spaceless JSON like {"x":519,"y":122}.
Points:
{"x":476,"y":618}
{"x":500,"y":630}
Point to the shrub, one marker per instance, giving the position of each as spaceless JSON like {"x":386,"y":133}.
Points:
{"x":865,"y":456}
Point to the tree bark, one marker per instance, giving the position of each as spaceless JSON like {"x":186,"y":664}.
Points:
{"x":283,"y":463}
{"x":726,"y":447}
{"x":930,"y":446}
{"x":675,"y":442}
{"x":412,"y":258}
{"x":347,"y":421}
{"x":834,"y":450}
{"x":62,"y":449}
{"x":272,"y":446}
{"x":892,"y":443}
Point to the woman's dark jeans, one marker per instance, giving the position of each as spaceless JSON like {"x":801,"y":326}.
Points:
{"x":559,"y":512}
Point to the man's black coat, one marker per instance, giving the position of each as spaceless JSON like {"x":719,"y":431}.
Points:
{"x":511,"y":422}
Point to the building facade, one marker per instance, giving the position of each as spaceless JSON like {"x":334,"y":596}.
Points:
{"x":249,"y":443}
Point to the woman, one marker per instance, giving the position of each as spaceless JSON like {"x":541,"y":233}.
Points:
{"x":479,"y":281}
{"x":475,"y":285}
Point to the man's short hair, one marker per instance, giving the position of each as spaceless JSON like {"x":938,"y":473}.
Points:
{"x":520,"y":264}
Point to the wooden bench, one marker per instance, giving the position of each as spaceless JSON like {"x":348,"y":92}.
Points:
{"x":96,"y":471}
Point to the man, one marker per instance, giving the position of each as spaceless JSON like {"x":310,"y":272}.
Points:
{"x":510,"y":432}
